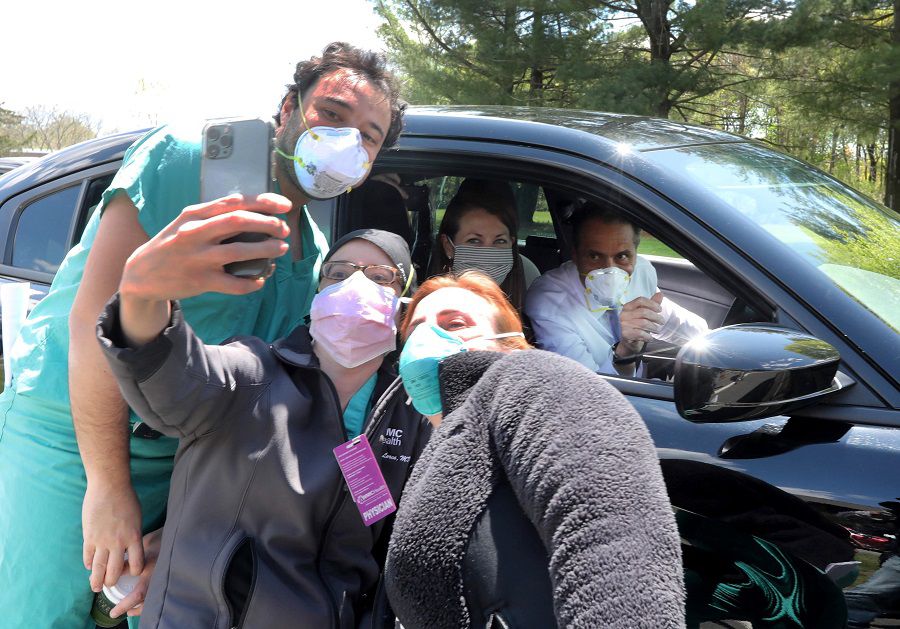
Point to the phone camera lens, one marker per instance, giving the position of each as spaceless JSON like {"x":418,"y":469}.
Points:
{"x":212,"y":151}
{"x":226,"y":140}
{"x":212,"y":134}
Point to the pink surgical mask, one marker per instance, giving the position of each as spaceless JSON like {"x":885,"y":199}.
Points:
{"x":353,"y":320}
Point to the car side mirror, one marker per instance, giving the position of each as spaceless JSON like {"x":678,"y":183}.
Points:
{"x":752,"y":370}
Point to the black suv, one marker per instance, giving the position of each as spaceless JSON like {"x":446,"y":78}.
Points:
{"x":778,"y":438}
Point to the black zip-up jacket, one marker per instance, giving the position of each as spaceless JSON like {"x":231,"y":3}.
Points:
{"x":255,"y":472}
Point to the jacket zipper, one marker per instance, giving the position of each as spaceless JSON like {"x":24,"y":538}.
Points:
{"x":341,"y":495}
{"x":335,"y":503}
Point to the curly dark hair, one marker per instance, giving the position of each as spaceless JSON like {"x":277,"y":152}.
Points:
{"x":365,"y":63}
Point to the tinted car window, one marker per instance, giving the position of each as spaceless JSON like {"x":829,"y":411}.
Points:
{"x":41,"y":239}
{"x":534,"y":213}
{"x":531,"y":206}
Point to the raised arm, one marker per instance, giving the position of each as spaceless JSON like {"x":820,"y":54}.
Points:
{"x":177,"y":384}
{"x":184,"y":259}
{"x":584,"y":468}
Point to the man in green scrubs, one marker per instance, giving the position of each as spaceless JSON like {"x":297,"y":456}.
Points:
{"x":78,"y":483}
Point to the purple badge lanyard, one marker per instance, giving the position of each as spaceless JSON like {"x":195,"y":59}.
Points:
{"x":365,"y":480}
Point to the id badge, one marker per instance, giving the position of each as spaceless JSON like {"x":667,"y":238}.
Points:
{"x":365,"y":480}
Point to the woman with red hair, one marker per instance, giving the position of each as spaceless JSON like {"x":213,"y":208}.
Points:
{"x":539,"y":500}
{"x":504,"y":316}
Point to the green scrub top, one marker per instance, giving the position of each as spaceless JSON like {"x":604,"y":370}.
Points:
{"x":161,"y":175}
{"x":358,"y":408}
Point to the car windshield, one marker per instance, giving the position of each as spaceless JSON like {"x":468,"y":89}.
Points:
{"x":851,"y":239}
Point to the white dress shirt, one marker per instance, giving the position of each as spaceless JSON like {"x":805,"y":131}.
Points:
{"x":562,"y":322}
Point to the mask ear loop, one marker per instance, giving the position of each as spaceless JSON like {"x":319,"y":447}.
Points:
{"x":503,"y":335}
{"x":494,"y":337}
{"x":409,"y":281}
{"x":310,"y":131}
{"x":303,"y":117}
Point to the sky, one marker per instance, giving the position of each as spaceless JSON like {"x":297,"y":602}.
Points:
{"x":130,"y":64}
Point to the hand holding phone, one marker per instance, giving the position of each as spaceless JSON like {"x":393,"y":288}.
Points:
{"x":237,"y":158}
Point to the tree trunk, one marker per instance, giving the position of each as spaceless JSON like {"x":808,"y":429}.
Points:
{"x":654,"y":17}
{"x":506,"y":75}
{"x":892,"y":171}
{"x":536,"y":82}
{"x":833,"y":156}
{"x":743,"y":106}
{"x":872,"y":153}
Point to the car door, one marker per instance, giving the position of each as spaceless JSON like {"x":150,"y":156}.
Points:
{"x":39,"y":225}
{"x":821,"y":466}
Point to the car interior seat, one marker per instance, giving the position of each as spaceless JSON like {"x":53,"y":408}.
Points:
{"x":542,"y":252}
{"x":379,"y":205}
{"x":418,"y":203}
{"x":529,"y":270}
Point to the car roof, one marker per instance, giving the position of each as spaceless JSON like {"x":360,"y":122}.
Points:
{"x":595,"y":134}
{"x":14,"y":161}
{"x":68,"y":160}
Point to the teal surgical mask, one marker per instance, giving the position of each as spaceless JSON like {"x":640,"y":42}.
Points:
{"x":423,"y":351}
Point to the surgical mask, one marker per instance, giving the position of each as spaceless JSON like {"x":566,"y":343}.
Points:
{"x":328,"y":161}
{"x":604,"y":289}
{"x":354,"y":320}
{"x":423,"y":351}
{"x":494,"y":261}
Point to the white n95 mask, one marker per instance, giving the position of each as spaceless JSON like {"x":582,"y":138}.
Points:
{"x":604,"y":289}
{"x":329,"y":161}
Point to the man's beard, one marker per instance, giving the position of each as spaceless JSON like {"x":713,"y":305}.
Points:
{"x":287,"y":142}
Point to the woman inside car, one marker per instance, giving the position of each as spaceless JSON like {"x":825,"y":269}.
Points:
{"x":259,"y":530}
{"x":479,"y":231}
{"x":539,"y":500}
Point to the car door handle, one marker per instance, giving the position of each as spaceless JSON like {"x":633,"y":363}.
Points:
{"x":775,"y":439}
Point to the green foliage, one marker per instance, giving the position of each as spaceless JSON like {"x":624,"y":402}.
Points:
{"x":812,"y":77}
{"x":9,"y":123}
{"x":650,"y":246}
{"x":875,"y":248}
{"x":496,"y":52}
{"x":825,"y":94}
{"x":52,"y":129}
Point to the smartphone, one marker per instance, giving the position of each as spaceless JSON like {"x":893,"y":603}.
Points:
{"x":237,"y":157}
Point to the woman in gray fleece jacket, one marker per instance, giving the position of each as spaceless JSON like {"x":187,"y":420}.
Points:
{"x":539,"y":502}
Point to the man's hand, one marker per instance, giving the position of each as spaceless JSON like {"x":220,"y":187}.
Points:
{"x":134,"y":602}
{"x":187,"y":256}
{"x":111,"y":520}
{"x":640,"y":319}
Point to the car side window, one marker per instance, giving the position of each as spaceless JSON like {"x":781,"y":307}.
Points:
{"x":653,"y":246}
{"x":534,"y":213}
{"x":42,"y":231}
{"x":91,"y":201}
{"x":695,"y":301}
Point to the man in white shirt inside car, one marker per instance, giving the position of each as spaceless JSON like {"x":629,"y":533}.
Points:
{"x":603,"y":306}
